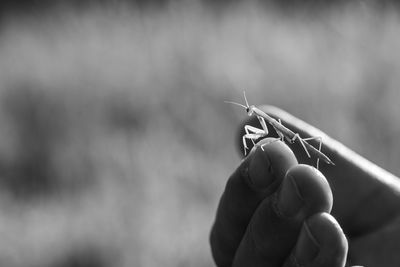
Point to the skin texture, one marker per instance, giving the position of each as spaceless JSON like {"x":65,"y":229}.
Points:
{"x":277,"y":210}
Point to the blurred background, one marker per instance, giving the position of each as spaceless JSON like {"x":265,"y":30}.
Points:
{"x":115,"y":143}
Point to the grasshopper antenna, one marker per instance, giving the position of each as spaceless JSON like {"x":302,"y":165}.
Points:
{"x":237,"y":104}
{"x":245,"y":99}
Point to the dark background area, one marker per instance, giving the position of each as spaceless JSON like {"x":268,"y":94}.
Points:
{"x":37,"y":5}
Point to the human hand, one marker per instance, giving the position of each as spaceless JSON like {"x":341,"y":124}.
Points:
{"x":275,"y":212}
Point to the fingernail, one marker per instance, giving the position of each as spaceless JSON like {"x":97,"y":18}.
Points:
{"x":307,"y":247}
{"x":260,"y":169}
{"x":290,"y":200}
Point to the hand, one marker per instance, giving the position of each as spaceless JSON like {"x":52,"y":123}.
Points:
{"x":276,"y":212}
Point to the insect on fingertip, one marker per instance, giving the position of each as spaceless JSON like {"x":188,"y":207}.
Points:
{"x":253,"y":133}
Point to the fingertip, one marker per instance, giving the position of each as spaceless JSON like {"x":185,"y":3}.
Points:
{"x":321,"y":242}
{"x":311,"y":188}
{"x":270,"y":160}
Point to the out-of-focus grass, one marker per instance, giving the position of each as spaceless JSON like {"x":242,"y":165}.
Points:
{"x":114,"y":137}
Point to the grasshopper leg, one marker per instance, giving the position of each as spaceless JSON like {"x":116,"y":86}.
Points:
{"x":319,"y":138}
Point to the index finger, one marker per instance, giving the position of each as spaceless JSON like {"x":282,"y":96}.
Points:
{"x":366,"y":196}
{"x":257,"y":177}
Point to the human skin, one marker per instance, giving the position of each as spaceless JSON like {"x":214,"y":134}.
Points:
{"x":277,"y":210}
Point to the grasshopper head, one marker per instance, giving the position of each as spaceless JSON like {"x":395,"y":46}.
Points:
{"x":250,"y":110}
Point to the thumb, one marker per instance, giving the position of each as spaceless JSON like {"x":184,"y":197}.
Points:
{"x":384,"y":245}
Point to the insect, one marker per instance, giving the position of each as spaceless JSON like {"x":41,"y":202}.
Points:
{"x":284,"y":133}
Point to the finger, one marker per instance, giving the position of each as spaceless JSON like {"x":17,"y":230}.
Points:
{"x":351,"y":178}
{"x":275,"y":226}
{"x":321,"y":243}
{"x":257,"y":177}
